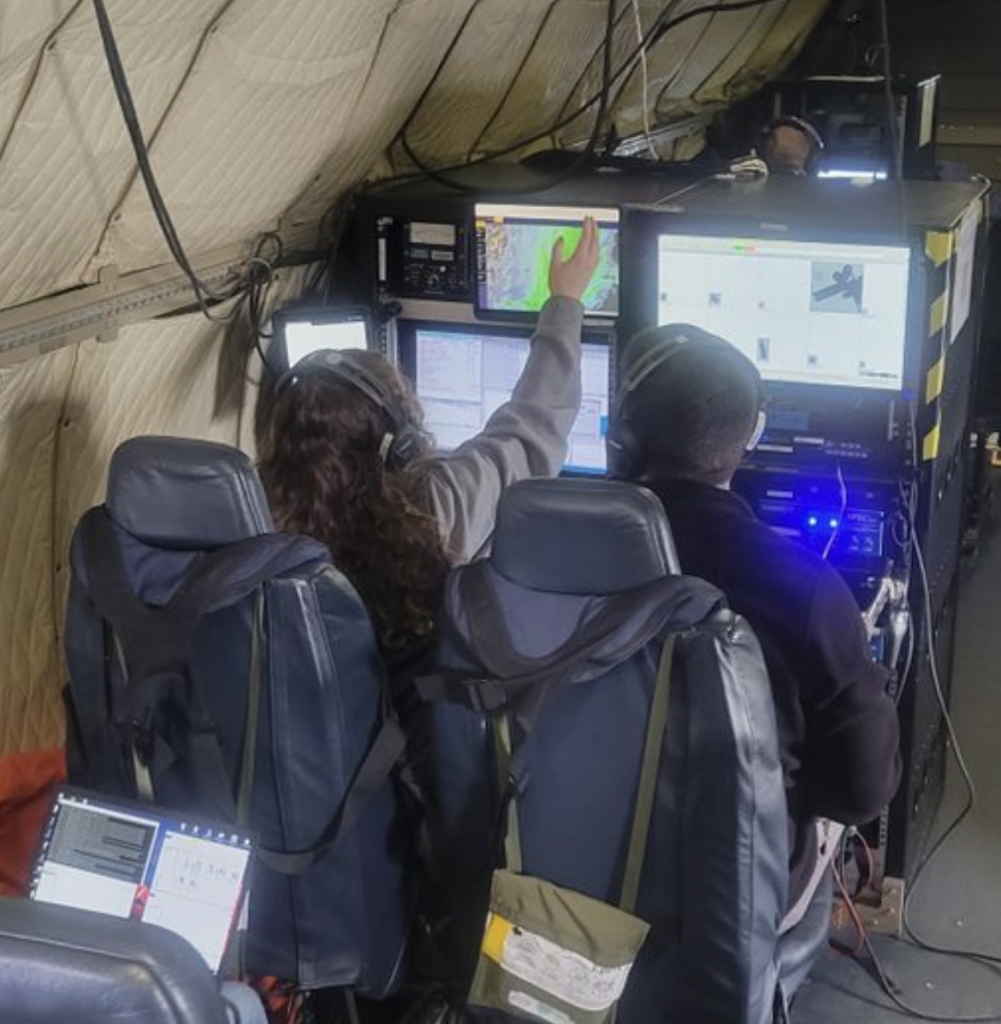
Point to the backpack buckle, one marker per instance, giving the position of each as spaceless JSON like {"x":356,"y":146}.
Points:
{"x":485,"y":695}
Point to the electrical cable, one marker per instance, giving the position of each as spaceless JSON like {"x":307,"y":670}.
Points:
{"x":852,"y":912}
{"x":971,"y":795}
{"x":441,"y":177}
{"x":891,"y":114}
{"x":909,"y":501}
{"x":936,"y":1018}
{"x":257,"y":291}
{"x":684,"y":190}
{"x":855,"y":834}
{"x":654,"y":34}
{"x":203,"y":293}
{"x":937,"y":686}
{"x":638,"y":20}
{"x":662,"y":25}
{"x":843,"y":487}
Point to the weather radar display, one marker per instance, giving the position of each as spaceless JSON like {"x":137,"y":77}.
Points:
{"x":514,"y":244}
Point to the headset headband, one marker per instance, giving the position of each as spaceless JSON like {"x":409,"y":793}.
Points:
{"x":403,"y":440}
{"x":654,"y":358}
{"x":342,"y":365}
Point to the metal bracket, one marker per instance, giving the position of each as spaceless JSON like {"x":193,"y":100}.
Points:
{"x":100,"y":310}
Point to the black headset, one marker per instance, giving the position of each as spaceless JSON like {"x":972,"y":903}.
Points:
{"x":622,"y":445}
{"x":403,"y":440}
{"x":802,"y":126}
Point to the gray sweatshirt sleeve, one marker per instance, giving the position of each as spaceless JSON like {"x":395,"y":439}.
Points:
{"x":525,"y":437}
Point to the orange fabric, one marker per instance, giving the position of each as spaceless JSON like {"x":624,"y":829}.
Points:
{"x":27,"y":782}
{"x":282,"y":1003}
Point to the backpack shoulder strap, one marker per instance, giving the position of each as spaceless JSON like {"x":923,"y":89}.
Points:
{"x":156,"y":641}
{"x":379,"y":762}
{"x":159,"y":712}
{"x":610,"y":631}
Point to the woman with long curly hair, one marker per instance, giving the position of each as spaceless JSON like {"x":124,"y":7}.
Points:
{"x":345,"y":460}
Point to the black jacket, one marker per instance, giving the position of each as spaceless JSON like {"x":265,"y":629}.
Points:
{"x":838,"y":729}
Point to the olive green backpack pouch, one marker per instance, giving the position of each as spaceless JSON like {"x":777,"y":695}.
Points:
{"x":552,"y":954}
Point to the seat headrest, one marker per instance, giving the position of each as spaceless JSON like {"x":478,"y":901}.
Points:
{"x":582,"y":536}
{"x":185,"y":494}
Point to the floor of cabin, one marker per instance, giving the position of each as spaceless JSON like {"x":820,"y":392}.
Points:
{"x":958,"y":899}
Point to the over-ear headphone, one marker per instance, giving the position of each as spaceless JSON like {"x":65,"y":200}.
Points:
{"x":800,"y":125}
{"x":402,"y":441}
{"x":623,"y":450}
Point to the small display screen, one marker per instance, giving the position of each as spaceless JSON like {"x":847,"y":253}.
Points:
{"x":832,"y":313}
{"x":302,"y":332}
{"x":463,"y":374}
{"x":514,"y":246}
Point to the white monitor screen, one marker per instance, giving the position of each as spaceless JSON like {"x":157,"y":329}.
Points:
{"x":305,"y":336}
{"x":804,"y":312}
{"x":514,"y":246}
{"x":113,"y":858}
{"x":463,"y":375}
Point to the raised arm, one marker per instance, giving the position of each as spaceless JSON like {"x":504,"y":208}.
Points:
{"x":527,"y":435}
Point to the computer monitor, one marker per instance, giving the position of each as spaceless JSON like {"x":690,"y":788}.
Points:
{"x":514,"y":244}
{"x":298,"y":332}
{"x":463,"y":373}
{"x":805,"y":312}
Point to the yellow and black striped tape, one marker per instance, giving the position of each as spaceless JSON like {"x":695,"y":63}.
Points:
{"x":939,"y":248}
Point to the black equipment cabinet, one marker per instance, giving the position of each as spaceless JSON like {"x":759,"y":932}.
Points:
{"x":904,"y":454}
{"x":908,"y":449}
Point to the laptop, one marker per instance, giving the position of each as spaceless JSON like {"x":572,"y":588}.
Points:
{"x":135,"y":861}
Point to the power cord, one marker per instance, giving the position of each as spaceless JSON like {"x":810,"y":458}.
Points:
{"x":891,"y":113}
{"x":843,"y":490}
{"x":661,"y":26}
{"x":638,"y":21}
{"x":203,"y":293}
{"x":748,"y":168}
{"x":441,"y":176}
{"x":260,"y":276}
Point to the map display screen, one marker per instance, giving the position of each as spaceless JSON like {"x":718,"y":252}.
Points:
{"x":803,"y":312}
{"x":513,"y":248}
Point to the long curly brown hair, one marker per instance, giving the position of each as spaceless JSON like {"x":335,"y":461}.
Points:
{"x":322,"y":468}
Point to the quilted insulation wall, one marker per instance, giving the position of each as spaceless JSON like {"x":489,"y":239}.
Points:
{"x":259,"y":114}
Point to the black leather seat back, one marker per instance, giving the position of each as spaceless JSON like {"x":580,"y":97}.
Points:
{"x":59,"y":965}
{"x":577,"y":567}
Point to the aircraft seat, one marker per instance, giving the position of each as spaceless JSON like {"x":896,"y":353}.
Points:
{"x":574,"y":561}
{"x":59,"y":964}
{"x":283,"y":689}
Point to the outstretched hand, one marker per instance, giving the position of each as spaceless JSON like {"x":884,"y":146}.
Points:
{"x":570,"y":277}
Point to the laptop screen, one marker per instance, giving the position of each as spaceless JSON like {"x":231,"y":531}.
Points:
{"x":132,"y":861}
